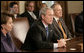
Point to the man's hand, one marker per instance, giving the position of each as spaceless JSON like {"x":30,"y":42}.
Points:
{"x":61,"y":43}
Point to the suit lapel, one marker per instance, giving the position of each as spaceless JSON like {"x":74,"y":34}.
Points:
{"x":41,"y":26}
{"x":30,"y":17}
{"x":57,"y":28}
{"x":63,"y":25}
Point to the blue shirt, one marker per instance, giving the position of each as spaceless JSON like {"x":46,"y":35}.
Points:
{"x":7,"y":45}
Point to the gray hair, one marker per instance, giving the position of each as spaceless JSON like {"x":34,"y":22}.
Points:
{"x":53,"y":6}
{"x":43,"y":11}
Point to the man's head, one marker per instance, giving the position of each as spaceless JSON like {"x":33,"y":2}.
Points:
{"x":57,"y":10}
{"x":44,"y":5}
{"x":14,"y":8}
{"x":46,"y":15}
{"x":30,"y":6}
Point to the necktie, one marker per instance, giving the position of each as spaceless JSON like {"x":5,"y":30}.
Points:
{"x":47,"y":31}
{"x":59,"y":23}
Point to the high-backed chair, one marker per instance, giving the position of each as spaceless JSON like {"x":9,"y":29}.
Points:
{"x":19,"y":31}
{"x":72,"y":23}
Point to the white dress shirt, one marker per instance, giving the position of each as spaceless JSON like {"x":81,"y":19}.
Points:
{"x":56,"y":19}
{"x":32,"y":14}
{"x":15,"y":15}
{"x":44,"y":24}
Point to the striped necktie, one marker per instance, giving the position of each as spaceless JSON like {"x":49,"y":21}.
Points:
{"x":47,"y":31}
{"x":60,"y":25}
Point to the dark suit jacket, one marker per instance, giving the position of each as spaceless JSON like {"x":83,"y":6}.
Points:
{"x":7,"y":45}
{"x":36,"y":37}
{"x":57,"y":29}
{"x":79,"y":23}
{"x":18,"y":15}
{"x":30,"y":19}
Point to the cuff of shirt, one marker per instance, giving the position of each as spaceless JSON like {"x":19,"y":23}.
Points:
{"x":55,"y":45}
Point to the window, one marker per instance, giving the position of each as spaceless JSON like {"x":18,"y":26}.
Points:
{"x":49,"y":3}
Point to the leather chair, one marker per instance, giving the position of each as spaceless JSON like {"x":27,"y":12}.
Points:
{"x":19,"y":31}
{"x":72,"y":23}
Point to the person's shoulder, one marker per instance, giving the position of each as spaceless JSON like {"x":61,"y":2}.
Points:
{"x":80,"y":16}
{"x":61,"y":19}
{"x":36,"y":27}
{"x":81,"y":13}
{"x":36,"y":23}
{"x":24,"y":13}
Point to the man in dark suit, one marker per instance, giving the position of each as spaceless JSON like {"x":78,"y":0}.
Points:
{"x":14,"y":10}
{"x":30,"y":13}
{"x":41,"y":35}
{"x":59,"y":25}
{"x":79,"y":23}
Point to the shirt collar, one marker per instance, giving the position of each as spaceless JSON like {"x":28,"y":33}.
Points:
{"x":45,"y":25}
{"x":56,"y":18}
{"x":29,"y":12}
{"x":15,"y":15}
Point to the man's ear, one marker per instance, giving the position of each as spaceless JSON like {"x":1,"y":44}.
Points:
{"x":43,"y":16}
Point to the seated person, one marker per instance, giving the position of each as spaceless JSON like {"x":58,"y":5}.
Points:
{"x":14,"y":9}
{"x":79,"y":23}
{"x":30,"y":12}
{"x":44,"y":5}
{"x":6,"y":26}
{"x":41,"y":35}
{"x":59,"y":25}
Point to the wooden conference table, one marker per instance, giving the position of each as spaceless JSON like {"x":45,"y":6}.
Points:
{"x":73,"y":45}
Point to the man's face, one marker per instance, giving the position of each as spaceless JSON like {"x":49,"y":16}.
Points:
{"x":58,"y":11}
{"x":48,"y":18}
{"x":44,"y":5}
{"x":30,"y":7}
{"x":15,"y":9}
